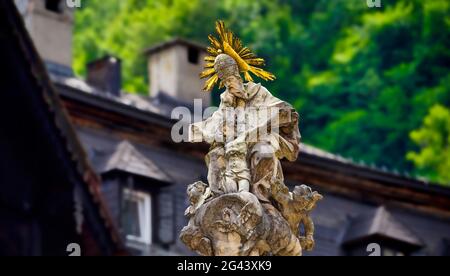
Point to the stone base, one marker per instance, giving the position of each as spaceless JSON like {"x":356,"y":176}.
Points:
{"x":238,"y":224}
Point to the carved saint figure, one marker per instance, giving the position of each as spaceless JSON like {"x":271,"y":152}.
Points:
{"x":246,"y":209}
{"x":255,"y":113}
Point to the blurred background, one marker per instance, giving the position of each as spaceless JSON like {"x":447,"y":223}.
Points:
{"x":370,"y":84}
{"x":88,"y":165}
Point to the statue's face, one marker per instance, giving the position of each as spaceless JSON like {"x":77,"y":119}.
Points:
{"x":235,"y":86}
{"x":195,"y":191}
{"x":305,"y":198}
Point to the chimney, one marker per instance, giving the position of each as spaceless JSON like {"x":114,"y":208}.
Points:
{"x":174,"y":69}
{"x":105,"y":74}
{"x":50,"y":24}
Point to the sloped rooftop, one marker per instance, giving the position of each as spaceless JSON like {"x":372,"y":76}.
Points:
{"x":127,"y":158}
{"x":381,"y":223}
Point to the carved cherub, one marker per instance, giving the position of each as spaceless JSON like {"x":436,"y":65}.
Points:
{"x":295,"y":208}
{"x":237,"y":174}
{"x":197,"y":192}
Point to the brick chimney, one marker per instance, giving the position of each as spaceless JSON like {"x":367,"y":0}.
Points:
{"x":105,"y":74}
{"x":174,"y":69}
{"x":50,"y":24}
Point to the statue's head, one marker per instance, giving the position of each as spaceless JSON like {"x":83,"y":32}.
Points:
{"x":230,"y":57}
{"x":228,"y":72}
{"x":195,"y":191}
{"x":305,"y":198}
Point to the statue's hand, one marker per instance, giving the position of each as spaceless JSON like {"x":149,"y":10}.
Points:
{"x":240,"y":139}
{"x":307,"y":243}
{"x":195,"y":134}
{"x":310,"y":243}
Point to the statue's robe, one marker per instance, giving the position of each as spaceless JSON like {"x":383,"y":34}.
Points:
{"x":281,"y":140}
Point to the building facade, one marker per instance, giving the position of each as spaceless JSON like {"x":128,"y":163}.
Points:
{"x":50,"y":200}
{"x":144,"y":173}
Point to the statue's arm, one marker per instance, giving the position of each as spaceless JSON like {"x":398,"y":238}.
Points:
{"x":308,"y":240}
{"x":208,"y":130}
{"x":308,"y":225}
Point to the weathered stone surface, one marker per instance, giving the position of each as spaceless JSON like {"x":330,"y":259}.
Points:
{"x":246,"y":209}
{"x":237,"y":224}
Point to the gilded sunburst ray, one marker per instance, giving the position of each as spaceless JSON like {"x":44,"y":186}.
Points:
{"x":230,"y":44}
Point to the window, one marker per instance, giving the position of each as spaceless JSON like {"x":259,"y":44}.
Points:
{"x":392,"y":252}
{"x":136,"y":216}
{"x":193,"y":55}
{"x":379,"y":247}
{"x":53,"y":6}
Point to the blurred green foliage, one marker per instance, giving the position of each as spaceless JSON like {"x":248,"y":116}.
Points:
{"x":434,"y":140}
{"x":361,"y":78}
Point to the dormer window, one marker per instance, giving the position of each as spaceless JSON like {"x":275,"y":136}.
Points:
{"x":53,"y":6}
{"x":378,"y":233}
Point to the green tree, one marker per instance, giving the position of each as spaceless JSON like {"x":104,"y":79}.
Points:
{"x":362,"y":79}
{"x":433,"y":138}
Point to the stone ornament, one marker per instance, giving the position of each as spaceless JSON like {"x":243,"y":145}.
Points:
{"x":245,"y":209}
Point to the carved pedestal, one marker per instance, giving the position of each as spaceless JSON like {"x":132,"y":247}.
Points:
{"x":238,"y":224}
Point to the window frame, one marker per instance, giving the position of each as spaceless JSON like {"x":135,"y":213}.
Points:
{"x":144,"y":202}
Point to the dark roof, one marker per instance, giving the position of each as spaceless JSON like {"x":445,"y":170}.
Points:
{"x":176,"y":41}
{"x":45,"y":96}
{"x":380,"y":223}
{"x":128,"y":159}
{"x":157,"y":110}
{"x":179,"y":168}
{"x":133,"y":105}
{"x":59,"y":69}
{"x":318,"y":157}
{"x":381,"y":184}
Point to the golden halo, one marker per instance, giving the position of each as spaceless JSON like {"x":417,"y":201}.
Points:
{"x":231,"y":45}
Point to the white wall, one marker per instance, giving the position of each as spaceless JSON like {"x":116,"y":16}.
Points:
{"x":51,"y":32}
{"x":172,"y":73}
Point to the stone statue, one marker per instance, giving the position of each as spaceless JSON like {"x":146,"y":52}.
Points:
{"x":246,"y":209}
